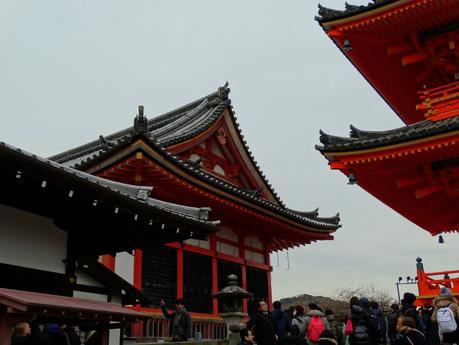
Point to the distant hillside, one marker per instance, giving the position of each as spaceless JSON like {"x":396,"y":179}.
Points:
{"x":338,"y":307}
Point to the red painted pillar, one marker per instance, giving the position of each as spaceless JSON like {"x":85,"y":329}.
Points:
{"x":270,"y":294}
{"x":243,"y":278}
{"x":180,"y":273}
{"x":213,"y":248}
{"x":138,"y":269}
{"x":244,"y":286}
{"x":137,"y":329}
{"x":214,"y":285}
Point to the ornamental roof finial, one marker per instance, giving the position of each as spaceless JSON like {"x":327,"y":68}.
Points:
{"x":140,"y":122}
{"x":223,"y":91}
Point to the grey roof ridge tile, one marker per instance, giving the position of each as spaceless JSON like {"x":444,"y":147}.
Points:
{"x":157,"y":120}
{"x":327,"y":14}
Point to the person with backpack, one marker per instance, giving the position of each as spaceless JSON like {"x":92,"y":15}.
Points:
{"x":432,"y":337}
{"x":378,"y":314}
{"x":446,"y":314}
{"x":333,"y":324}
{"x":363,"y":328}
{"x":316,"y":323}
{"x":327,"y":337}
{"x":281,"y":321}
{"x":392,"y":322}
{"x":409,"y":309}
{"x":294,"y":338}
{"x":409,"y":334}
{"x":299,"y":320}
{"x":374,"y":326}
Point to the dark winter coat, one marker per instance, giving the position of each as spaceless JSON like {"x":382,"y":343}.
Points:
{"x":335,"y":327}
{"x":392,"y":319}
{"x":365,"y":331}
{"x":183,"y":331}
{"x":431,"y":333}
{"x":262,"y":328}
{"x":282,"y":323}
{"x":410,"y":310}
{"x":378,"y":314}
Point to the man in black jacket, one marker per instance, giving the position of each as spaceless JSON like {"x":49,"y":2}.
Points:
{"x":262,"y":325}
{"x":180,"y":321}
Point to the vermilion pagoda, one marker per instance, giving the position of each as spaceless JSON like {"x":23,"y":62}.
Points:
{"x":196,"y":155}
{"x":408,"y":51}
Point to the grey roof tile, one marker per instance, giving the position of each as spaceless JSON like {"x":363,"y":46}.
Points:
{"x":359,"y":139}
{"x":177,"y":126}
{"x":328,"y":14}
{"x":139,"y":193}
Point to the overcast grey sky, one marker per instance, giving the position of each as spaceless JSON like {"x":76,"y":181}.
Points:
{"x":71,"y":70}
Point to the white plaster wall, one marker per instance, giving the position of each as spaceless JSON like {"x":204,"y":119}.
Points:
{"x":83,"y":278}
{"x":114,"y":337}
{"x":124,"y":266}
{"x":31,"y":241}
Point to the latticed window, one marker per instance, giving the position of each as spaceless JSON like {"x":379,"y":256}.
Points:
{"x":257,"y":284}
{"x":159,"y":274}
{"x":197,"y":282}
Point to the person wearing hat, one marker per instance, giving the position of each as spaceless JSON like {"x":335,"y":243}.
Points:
{"x":446,"y":299}
{"x":409,"y":310}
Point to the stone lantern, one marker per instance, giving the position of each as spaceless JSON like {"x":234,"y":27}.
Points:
{"x":231,"y":297}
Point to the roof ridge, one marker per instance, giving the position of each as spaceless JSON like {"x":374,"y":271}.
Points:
{"x":328,"y":14}
{"x":156,"y":121}
{"x":359,"y":139}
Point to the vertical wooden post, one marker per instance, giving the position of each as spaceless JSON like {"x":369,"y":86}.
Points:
{"x":214,"y":285}
{"x":104,"y":335}
{"x":244,"y":286}
{"x":213,"y":248}
{"x":243,"y":278}
{"x":5,"y":327}
{"x":180,"y":273}
{"x":268,"y":278}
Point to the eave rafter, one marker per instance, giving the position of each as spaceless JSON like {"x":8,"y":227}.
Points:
{"x":406,"y":153}
{"x":169,"y":182}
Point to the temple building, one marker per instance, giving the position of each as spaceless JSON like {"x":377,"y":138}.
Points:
{"x":55,"y":222}
{"x":196,"y":155}
{"x":408,"y":50}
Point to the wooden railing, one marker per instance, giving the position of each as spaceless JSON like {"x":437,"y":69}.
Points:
{"x":158,"y":327}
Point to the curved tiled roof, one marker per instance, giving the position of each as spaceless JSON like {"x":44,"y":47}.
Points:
{"x":310,"y":219}
{"x":178,"y":126}
{"x":359,"y":140}
{"x":141,"y":194}
{"x":328,"y":14}
{"x":169,"y":129}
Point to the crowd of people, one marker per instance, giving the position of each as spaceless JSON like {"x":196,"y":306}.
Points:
{"x":48,"y":334}
{"x":363,"y":324}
